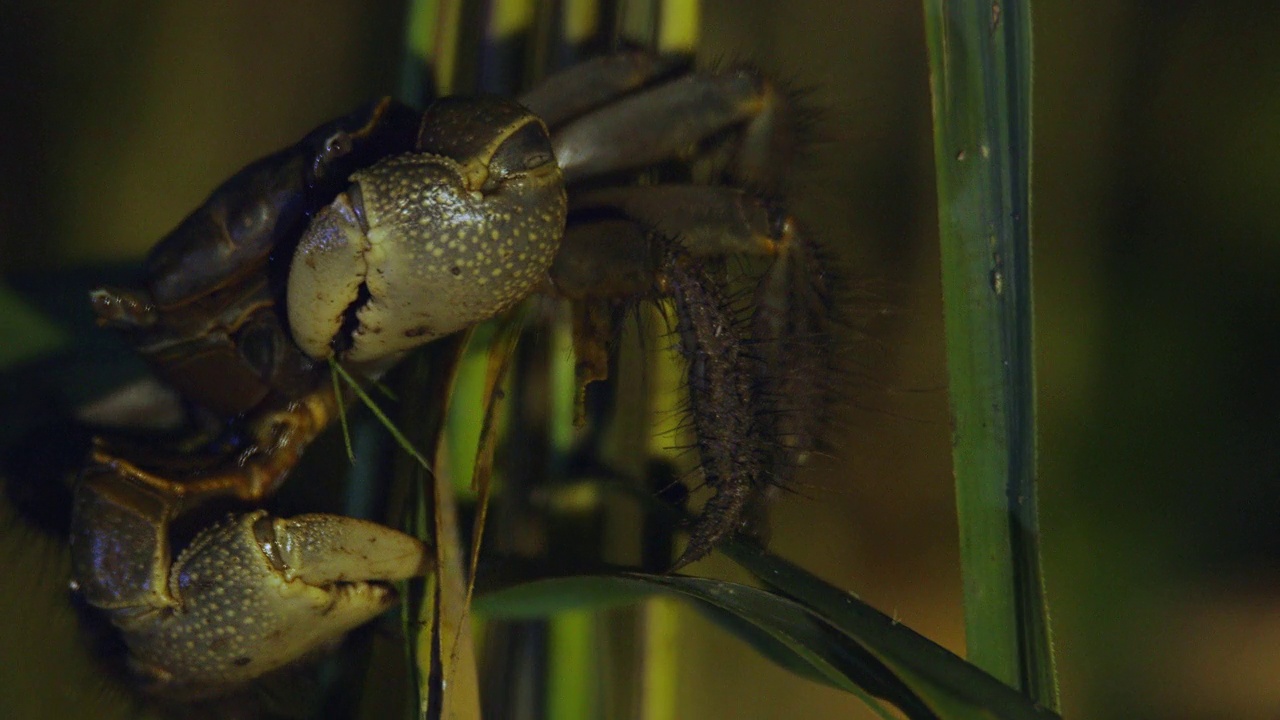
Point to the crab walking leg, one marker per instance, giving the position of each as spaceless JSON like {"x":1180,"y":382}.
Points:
{"x":759,"y":388}
{"x":274,"y":442}
{"x":120,"y":542}
{"x":792,"y":335}
{"x":705,"y":221}
{"x":722,"y":402}
{"x":590,"y":84}
{"x":790,"y":330}
{"x":671,"y":121}
{"x":612,"y":257}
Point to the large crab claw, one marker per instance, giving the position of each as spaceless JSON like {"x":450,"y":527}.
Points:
{"x":248,"y":595}
{"x":426,"y":244}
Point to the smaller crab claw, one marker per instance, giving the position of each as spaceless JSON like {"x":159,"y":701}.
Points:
{"x":255,"y":593}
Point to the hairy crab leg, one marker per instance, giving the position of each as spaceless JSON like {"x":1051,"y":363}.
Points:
{"x":791,"y":329}
{"x":722,"y":401}
{"x":791,"y":322}
{"x":757,"y":388}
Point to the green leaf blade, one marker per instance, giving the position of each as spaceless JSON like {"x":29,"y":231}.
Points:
{"x":814,"y":630}
{"x":980,"y":56}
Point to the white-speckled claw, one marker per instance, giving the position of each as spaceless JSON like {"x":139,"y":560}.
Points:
{"x":428,"y":245}
{"x":255,"y":594}
{"x":466,"y":259}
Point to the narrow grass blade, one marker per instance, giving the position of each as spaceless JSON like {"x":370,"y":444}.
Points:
{"x":443,"y":651}
{"x":432,"y":36}
{"x":947,"y":684}
{"x":399,"y":436}
{"x":842,"y":645}
{"x":764,"y":620}
{"x":980,"y":57}
{"x":933,"y":677}
{"x":342,"y":410}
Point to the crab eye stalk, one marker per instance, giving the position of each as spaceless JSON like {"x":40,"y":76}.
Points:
{"x":426,"y":244}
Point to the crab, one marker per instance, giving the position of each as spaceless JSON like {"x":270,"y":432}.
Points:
{"x":622,"y":178}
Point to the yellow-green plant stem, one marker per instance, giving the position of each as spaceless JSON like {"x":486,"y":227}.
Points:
{"x":431,"y":47}
{"x":573,"y":675}
{"x":980,"y":60}
{"x":660,"y":623}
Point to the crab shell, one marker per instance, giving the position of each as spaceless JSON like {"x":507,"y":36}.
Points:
{"x":425,"y":244}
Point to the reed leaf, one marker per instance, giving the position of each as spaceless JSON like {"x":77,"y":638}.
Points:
{"x":980,"y":60}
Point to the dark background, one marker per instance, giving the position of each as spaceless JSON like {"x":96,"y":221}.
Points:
{"x":1157,"y":166}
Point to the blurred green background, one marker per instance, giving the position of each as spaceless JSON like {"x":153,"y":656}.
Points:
{"x":1157,"y":238}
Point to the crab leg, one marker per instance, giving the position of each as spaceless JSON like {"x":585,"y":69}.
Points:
{"x":723,"y":404}
{"x":590,"y":84}
{"x":274,"y":443}
{"x":706,"y":221}
{"x":792,"y":333}
{"x":757,"y":388}
{"x":672,"y":121}
{"x":611,"y":256}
